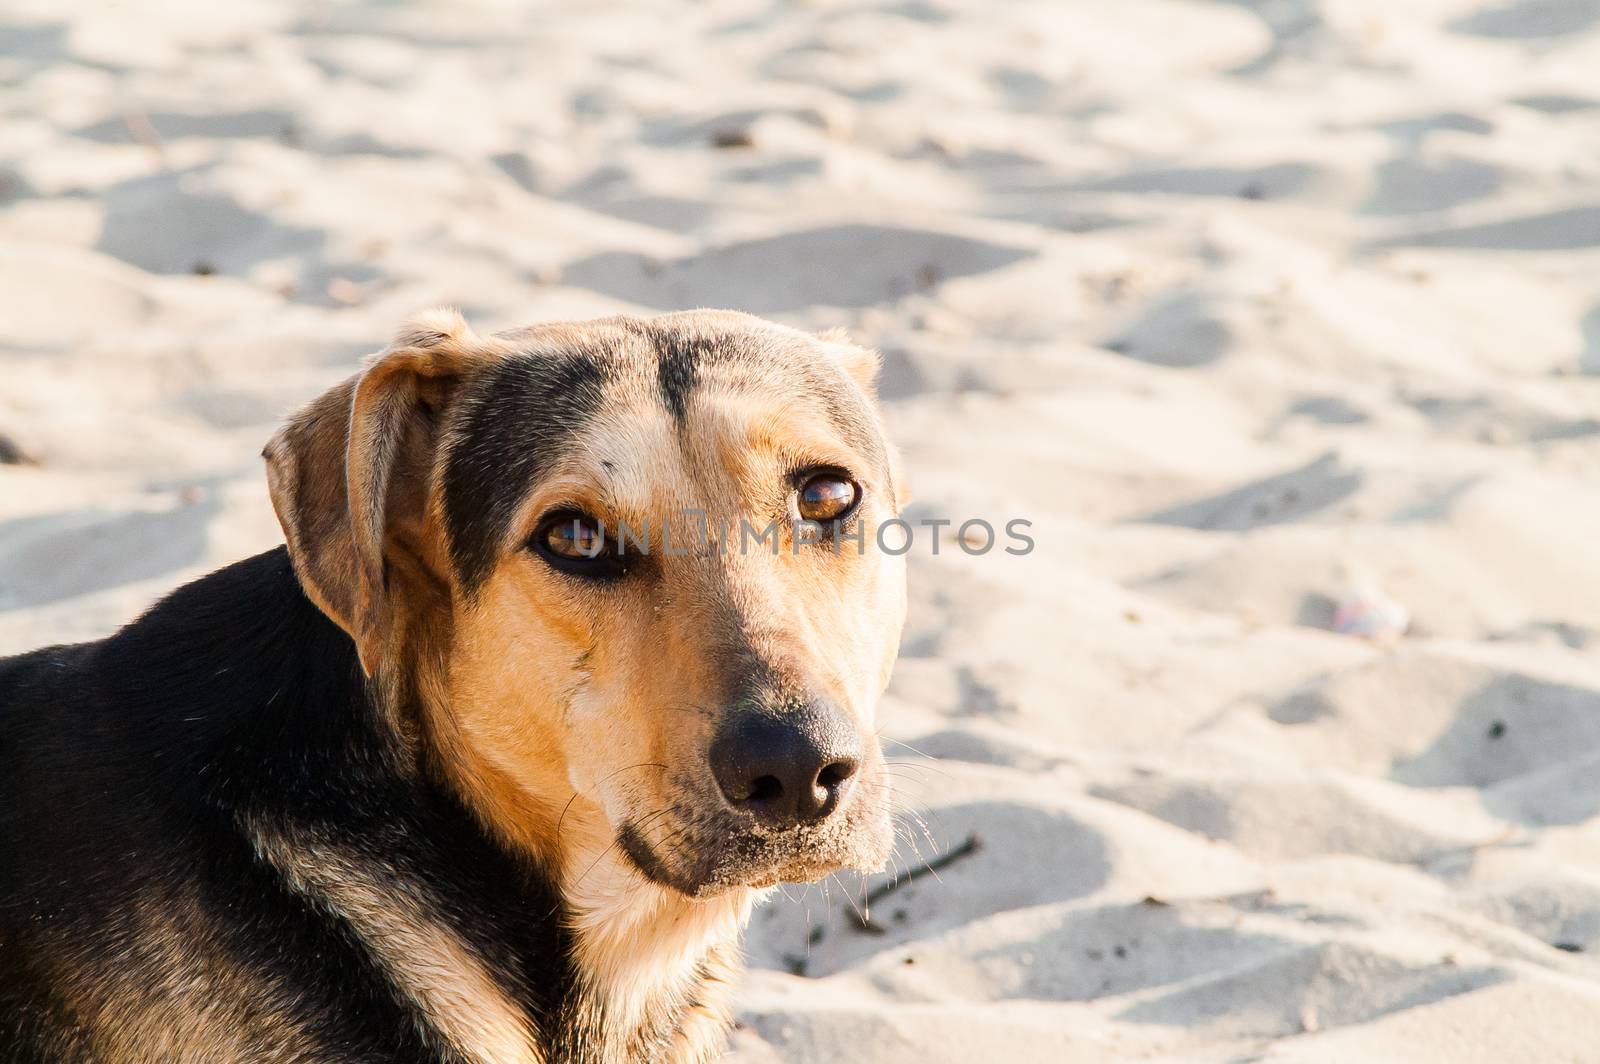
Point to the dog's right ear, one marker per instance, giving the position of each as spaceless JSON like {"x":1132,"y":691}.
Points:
{"x":862,"y":363}
{"x":358,"y":461}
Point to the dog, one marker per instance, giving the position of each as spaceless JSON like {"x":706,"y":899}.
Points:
{"x":572,"y":653}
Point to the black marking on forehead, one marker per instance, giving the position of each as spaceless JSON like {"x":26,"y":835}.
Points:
{"x":682,"y":357}
{"x":512,"y":425}
{"x":677,"y":371}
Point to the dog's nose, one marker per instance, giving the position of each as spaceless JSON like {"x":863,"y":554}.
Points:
{"x":787,"y":768}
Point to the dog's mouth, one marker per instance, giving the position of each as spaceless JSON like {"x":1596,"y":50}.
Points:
{"x":705,"y":853}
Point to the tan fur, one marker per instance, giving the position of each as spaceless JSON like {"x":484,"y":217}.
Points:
{"x":333,"y":479}
{"x":560,"y":716}
{"x":426,"y":961}
{"x":862,"y":363}
{"x":638,"y":942}
{"x":705,"y":1024}
{"x":137,"y":996}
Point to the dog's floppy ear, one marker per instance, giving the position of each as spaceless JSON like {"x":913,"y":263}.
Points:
{"x":342,"y":468}
{"x":862,"y":363}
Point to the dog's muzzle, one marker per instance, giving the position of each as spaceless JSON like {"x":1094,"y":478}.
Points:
{"x":791,"y":798}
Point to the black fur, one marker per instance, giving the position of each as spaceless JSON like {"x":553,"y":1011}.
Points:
{"x":678,"y":371}
{"x":129,"y":769}
{"x":514,"y":422}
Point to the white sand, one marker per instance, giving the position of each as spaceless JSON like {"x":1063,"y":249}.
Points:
{"x":1243,"y":304}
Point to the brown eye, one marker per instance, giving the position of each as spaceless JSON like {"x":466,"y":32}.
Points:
{"x":827,"y":497}
{"x":573,"y":542}
{"x":575,"y":537}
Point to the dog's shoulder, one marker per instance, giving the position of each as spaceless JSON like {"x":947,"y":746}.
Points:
{"x":38,"y":679}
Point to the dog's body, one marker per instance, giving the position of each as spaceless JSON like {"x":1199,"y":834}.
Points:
{"x":203,"y":823}
{"x":378,"y":798}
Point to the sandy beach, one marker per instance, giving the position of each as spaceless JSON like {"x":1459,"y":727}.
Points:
{"x":1279,"y":320}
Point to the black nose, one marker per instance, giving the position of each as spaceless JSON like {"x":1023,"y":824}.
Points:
{"x":787,"y":768}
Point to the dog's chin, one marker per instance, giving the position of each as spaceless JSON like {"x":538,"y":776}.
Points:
{"x":715,"y":857}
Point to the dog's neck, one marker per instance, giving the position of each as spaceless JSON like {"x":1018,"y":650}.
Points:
{"x":654,"y":964}
{"x":651,"y":967}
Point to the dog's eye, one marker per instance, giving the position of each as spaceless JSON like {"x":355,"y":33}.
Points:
{"x":574,"y":542}
{"x":827,"y":496}
{"x":575,"y":537}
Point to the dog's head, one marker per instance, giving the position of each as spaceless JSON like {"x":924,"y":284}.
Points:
{"x":629,"y":569}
